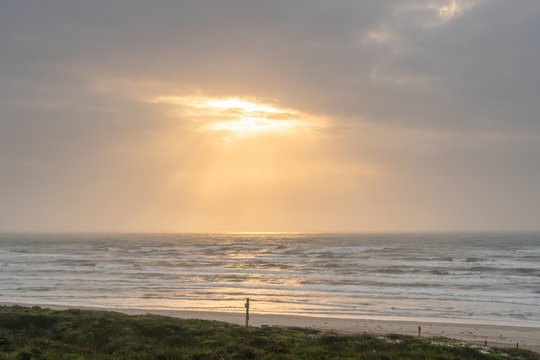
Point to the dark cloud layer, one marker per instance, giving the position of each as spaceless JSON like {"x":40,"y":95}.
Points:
{"x":449,"y":99}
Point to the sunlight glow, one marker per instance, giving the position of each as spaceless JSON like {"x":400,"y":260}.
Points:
{"x":250,"y":124}
{"x":454,"y":7}
{"x":236,"y":115}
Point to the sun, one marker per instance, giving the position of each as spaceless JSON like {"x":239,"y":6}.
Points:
{"x":241,"y":116}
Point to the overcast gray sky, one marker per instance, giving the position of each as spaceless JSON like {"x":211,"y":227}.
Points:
{"x":406,"y":115}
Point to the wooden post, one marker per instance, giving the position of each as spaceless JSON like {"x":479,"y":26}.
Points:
{"x":247,"y":312}
{"x":517,"y":345}
{"x":485,"y":342}
{"x":419,"y":331}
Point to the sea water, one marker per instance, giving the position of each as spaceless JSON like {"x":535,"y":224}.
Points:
{"x":476,"y":277}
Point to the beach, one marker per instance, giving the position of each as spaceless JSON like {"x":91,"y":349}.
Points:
{"x":495,"y":335}
{"x":469,"y":287}
{"x":480,"y":278}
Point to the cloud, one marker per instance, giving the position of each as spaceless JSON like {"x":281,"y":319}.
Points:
{"x":416,"y":95}
{"x":308,"y":55}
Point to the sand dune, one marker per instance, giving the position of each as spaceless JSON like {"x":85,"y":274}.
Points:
{"x":495,"y":335}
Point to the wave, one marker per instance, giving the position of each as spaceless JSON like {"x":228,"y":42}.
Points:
{"x":309,"y":271}
{"x":439,"y":272}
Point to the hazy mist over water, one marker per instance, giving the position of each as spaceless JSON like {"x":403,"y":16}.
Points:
{"x":252,"y":115}
{"x":478,"y":277}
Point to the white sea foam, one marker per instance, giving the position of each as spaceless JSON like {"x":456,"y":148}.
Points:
{"x":482,"y":276}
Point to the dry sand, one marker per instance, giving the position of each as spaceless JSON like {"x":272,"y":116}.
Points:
{"x":495,"y":335}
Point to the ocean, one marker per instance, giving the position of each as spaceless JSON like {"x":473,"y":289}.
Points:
{"x":491,"y":278}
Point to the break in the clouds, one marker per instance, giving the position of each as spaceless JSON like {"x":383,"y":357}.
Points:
{"x":384,"y":115}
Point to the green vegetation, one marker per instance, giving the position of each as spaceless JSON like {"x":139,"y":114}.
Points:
{"x":36,"y":333}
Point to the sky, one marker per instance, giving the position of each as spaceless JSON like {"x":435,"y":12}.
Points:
{"x":283,"y":115}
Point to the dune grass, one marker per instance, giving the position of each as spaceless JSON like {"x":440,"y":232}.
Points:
{"x":36,"y":333}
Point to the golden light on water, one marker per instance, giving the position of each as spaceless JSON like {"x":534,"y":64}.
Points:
{"x":237,"y":115}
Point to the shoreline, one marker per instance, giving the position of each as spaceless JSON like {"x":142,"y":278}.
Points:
{"x":527,"y":337}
